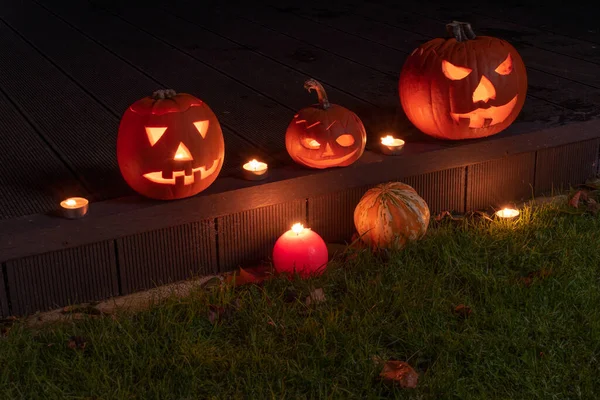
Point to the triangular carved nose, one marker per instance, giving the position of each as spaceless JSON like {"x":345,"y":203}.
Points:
{"x":328,"y":151}
{"x":183,"y":153}
{"x":484,"y":91}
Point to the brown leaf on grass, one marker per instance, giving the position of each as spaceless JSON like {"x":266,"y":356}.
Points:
{"x":221,"y":313}
{"x":77,"y":343}
{"x":316,"y":296}
{"x":256,"y":275}
{"x":535,"y":276}
{"x":462,"y":311}
{"x":399,"y":373}
{"x":579,"y":196}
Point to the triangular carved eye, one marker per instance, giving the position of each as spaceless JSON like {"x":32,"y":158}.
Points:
{"x":454,"y":72}
{"x":506,"y":67}
{"x":202,"y":127}
{"x":155,"y":133}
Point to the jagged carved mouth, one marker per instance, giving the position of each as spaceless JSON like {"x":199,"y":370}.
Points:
{"x":328,"y":161}
{"x":485,"y":117}
{"x":181,"y":178}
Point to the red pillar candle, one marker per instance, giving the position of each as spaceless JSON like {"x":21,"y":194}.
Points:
{"x":300,"y":250}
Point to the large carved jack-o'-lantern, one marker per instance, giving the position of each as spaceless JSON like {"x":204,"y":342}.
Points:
{"x":325,"y":135}
{"x":464,"y":87}
{"x":170,"y":146}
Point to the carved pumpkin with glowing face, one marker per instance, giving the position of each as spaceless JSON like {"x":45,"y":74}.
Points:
{"x":325,"y":135}
{"x":464,"y":87}
{"x":170,"y":146}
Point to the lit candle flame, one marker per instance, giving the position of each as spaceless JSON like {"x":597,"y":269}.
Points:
{"x":70,"y":202}
{"x":389,"y":140}
{"x":297,"y":228}
{"x":507,"y":213}
{"x":254,"y":164}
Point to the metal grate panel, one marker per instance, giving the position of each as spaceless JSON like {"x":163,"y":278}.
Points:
{"x":167,"y":255}
{"x":558,"y":168}
{"x":332,"y":215}
{"x":442,"y":190}
{"x":60,"y":278}
{"x":4,"y":312}
{"x":497,"y":182}
{"x":249,"y":236}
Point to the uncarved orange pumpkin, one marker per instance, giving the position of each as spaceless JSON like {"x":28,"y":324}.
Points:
{"x":325,"y":135}
{"x":390,"y":215}
{"x":170,"y":145}
{"x":463,"y":87}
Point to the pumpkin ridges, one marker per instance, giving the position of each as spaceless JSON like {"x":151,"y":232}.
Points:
{"x":428,"y":97}
{"x":390,"y":215}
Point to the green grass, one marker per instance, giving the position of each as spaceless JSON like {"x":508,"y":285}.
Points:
{"x":522,"y":341}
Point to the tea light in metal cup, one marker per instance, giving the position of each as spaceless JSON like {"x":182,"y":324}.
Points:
{"x":391,"y":146}
{"x":255,"y":170}
{"x":74,"y":207}
{"x":508,"y":213}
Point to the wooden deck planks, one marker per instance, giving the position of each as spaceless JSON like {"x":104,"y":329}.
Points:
{"x":55,"y":105}
{"x":397,"y":30}
{"x":109,"y":79}
{"x":32,"y":177}
{"x":72,"y":79}
{"x":573,"y":20}
{"x":237,"y":106}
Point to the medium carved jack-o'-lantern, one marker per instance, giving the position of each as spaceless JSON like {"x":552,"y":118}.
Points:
{"x":170,"y":146}
{"x":325,"y":135}
{"x":464,"y":87}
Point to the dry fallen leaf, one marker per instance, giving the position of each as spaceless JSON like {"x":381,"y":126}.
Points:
{"x":535,"y":275}
{"x":462,"y":310}
{"x":255,"y":275}
{"x":77,"y":342}
{"x":316,"y":296}
{"x":219,"y":313}
{"x":399,"y":373}
{"x":579,"y":196}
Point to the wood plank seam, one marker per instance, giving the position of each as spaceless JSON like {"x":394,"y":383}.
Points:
{"x":232,"y":129}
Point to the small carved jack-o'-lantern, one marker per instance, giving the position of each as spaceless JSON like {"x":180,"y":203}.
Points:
{"x":170,"y":146}
{"x":464,"y":87}
{"x":325,"y":135}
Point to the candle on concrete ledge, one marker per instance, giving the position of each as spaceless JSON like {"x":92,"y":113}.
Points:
{"x":391,"y":146}
{"x":255,"y":170}
{"x":300,"y":250}
{"x":74,"y":207}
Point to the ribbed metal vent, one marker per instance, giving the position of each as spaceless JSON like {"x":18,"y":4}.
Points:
{"x":497,"y":182}
{"x":56,"y":279}
{"x":559,"y":168}
{"x":3,"y":299}
{"x":167,"y":255}
{"x":442,"y":190}
{"x":332,"y":215}
{"x":249,"y":236}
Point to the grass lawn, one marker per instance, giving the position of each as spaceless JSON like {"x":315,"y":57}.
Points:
{"x":533,"y":288}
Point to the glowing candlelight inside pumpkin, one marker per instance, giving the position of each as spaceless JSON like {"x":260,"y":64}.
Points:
{"x":255,"y":170}
{"x":74,"y":207}
{"x":507,"y":213}
{"x":300,"y":250}
{"x":391,"y":145}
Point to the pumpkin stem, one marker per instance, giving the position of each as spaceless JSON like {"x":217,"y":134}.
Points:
{"x":461,"y":31}
{"x":313,"y":84}
{"x":164,"y":94}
